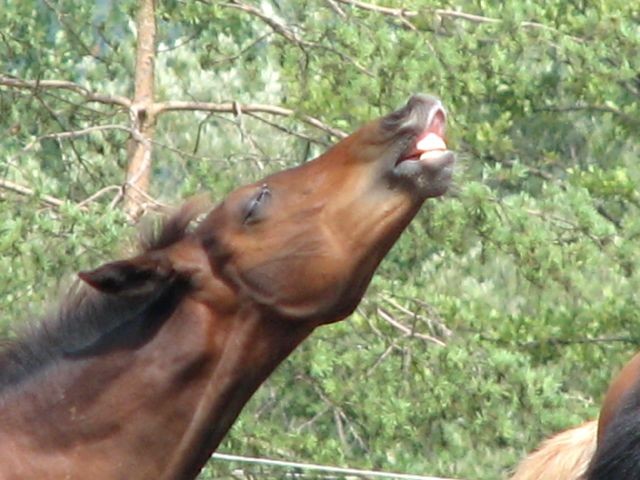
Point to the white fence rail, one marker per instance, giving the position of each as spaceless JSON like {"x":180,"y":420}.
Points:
{"x":353,"y":472}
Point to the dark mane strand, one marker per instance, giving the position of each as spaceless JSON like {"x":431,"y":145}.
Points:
{"x":618,"y":454}
{"x":85,"y":315}
{"x":174,"y":227}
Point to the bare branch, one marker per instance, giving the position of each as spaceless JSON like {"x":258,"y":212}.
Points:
{"x":404,"y":15}
{"x":90,"y":96}
{"x":28,"y":192}
{"x":99,"y":194}
{"x":288,"y":131}
{"x":63,"y":125}
{"x":80,"y":133}
{"x":592,"y":108}
{"x":401,"y":13}
{"x":434,"y":321}
{"x":275,"y":25}
{"x":394,"y":12}
{"x":74,"y":134}
{"x":292,"y":36}
{"x":569,"y":341}
{"x":231,"y":107}
{"x":336,"y":8}
{"x":150,"y":203}
{"x":243,"y":51}
{"x":71,"y":31}
{"x":406,"y":330}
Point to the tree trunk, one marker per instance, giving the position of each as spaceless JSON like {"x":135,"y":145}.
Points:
{"x":142,"y":113}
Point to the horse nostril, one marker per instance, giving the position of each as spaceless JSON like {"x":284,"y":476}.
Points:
{"x":437,"y":120}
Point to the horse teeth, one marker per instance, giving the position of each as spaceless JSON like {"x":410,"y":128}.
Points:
{"x":431,"y":141}
{"x":432,"y":154}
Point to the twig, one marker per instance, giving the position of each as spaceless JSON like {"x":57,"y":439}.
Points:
{"x":400,"y":13}
{"x":404,"y":15}
{"x":336,"y":8}
{"x":28,"y":192}
{"x":288,"y":131}
{"x":231,"y":107}
{"x":406,"y":330}
{"x":241,"y":52}
{"x":152,"y":201}
{"x":445,"y":331}
{"x":573,"y":341}
{"x":78,"y":133}
{"x":592,"y":108}
{"x":290,"y":35}
{"x":65,"y":85}
{"x":335,"y":407}
{"x":394,"y":12}
{"x":56,"y":202}
{"x":63,"y":126}
{"x":72,"y":32}
{"x":98,"y":194}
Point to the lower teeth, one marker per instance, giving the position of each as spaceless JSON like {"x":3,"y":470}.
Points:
{"x":431,"y":154}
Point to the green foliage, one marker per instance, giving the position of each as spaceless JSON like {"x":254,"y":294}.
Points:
{"x":518,"y":290}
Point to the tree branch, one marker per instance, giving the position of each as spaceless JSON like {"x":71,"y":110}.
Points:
{"x":243,"y":51}
{"x":56,"y":202}
{"x":77,"y":133}
{"x":232,"y":107}
{"x":76,"y":37}
{"x":336,"y":8}
{"x":90,"y":96}
{"x":592,"y":108}
{"x":292,"y":36}
{"x":28,"y":192}
{"x":409,"y":332}
{"x":288,"y":131}
{"x":404,"y":14}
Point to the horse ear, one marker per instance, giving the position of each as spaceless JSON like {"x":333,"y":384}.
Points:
{"x":136,"y":276}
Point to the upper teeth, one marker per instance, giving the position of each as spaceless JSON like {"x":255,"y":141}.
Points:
{"x":431,"y":141}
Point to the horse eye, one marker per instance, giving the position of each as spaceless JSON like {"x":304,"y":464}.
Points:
{"x":255,"y":207}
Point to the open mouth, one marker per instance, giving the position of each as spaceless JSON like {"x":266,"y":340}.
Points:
{"x":430,"y":146}
{"x":426,"y":166}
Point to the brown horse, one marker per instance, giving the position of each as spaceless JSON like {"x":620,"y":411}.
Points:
{"x":564,"y":456}
{"x":617,"y":455}
{"x":141,"y":376}
{"x":608,"y":449}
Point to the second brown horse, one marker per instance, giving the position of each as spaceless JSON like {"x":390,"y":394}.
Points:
{"x":608,"y":449}
{"x":141,"y":376}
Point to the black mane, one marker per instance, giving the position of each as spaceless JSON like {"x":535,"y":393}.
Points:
{"x":618,"y":454}
{"x":86,"y":315}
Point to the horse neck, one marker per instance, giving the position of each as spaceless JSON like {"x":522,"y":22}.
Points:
{"x":248,"y":346}
{"x":160,"y":407}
